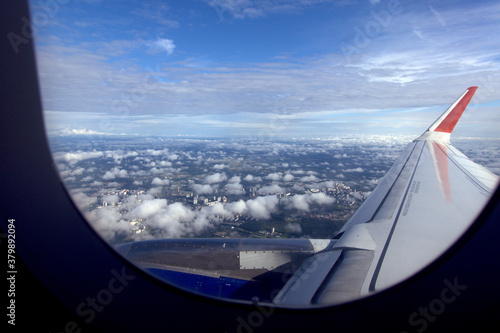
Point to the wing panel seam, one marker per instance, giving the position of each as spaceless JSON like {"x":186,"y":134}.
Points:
{"x":386,"y":246}
{"x":473,"y":179}
{"x":392,"y":185}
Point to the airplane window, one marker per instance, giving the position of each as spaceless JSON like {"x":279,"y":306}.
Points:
{"x":273,"y":151}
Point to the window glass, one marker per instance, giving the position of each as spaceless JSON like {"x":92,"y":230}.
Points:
{"x":223,"y":145}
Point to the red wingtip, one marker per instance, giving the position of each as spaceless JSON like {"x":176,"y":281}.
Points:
{"x":448,"y":124}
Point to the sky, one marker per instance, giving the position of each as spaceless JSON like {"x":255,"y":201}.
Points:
{"x":311,"y":68}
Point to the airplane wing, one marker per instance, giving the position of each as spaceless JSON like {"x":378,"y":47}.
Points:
{"x":425,"y":202}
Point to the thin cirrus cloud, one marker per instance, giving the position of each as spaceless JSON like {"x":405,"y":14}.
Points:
{"x":162,"y":45}
{"x":252,"y":9}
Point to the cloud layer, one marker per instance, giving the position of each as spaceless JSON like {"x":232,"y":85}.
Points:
{"x":120,"y":189}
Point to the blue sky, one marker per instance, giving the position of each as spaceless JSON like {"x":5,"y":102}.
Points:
{"x":267,"y":68}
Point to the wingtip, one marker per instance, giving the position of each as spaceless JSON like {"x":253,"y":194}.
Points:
{"x":444,"y":125}
{"x":472,"y":89}
{"x":453,"y":114}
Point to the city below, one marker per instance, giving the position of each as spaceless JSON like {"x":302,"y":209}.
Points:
{"x":139,"y":188}
{"x":323,"y":222}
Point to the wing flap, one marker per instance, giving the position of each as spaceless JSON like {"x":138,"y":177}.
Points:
{"x":303,"y":285}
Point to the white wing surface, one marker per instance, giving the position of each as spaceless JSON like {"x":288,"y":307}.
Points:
{"x":427,"y":200}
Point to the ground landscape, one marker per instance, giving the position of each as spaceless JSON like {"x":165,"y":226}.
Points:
{"x":135,"y":188}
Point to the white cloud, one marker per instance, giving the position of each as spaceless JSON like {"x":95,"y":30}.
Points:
{"x":111,"y":199}
{"x":86,"y":179}
{"x":78,"y":156}
{"x":107,"y":222}
{"x":321,"y":185}
{"x":299,"y":202}
{"x":159,"y":182}
{"x":276,"y":176}
{"x":322,"y":199}
{"x":175,"y":220}
{"x":202,"y":189}
{"x":118,"y":155}
{"x":82,"y":200}
{"x":262,"y":207}
{"x":172,"y":157}
{"x":165,"y":163}
{"x":310,"y":178}
{"x":148,"y":208}
{"x":163,"y":45}
{"x":84,"y":131}
{"x":272,"y":189}
{"x":155,"y":152}
{"x":238,"y":207}
{"x":302,"y":202}
{"x":75,"y":172}
{"x":248,"y":178}
{"x":220,"y":166}
{"x":115,"y":173}
{"x":215,"y":178}
{"x":234,"y":189}
{"x":359,"y":169}
{"x":155,"y":190}
{"x":234,"y":179}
